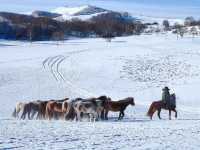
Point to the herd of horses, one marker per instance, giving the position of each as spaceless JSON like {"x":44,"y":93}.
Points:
{"x":94,"y":109}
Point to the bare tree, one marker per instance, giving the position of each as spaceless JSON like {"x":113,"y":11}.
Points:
{"x":58,"y":36}
{"x":193,"y":31}
{"x":180,"y":31}
{"x":166,"y":25}
{"x":189,"y":21}
{"x":30,"y":32}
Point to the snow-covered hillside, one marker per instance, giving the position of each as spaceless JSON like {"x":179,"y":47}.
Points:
{"x":137,"y":66}
{"x":83,"y":12}
{"x":79,"y":10}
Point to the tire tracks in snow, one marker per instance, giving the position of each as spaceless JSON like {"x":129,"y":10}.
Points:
{"x":53,"y":64}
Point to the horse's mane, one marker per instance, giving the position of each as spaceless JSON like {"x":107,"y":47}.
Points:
{"x":128,"y":99}
{"x":103,"y":97}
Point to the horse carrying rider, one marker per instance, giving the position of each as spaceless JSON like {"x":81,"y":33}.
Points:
{"x":166,"y":96}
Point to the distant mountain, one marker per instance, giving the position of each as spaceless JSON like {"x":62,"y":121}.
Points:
{"x":84,"y":12}
{"x":79,"y":10}
{"x":89,"y":10}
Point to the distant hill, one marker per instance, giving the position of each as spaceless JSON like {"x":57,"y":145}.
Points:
{"x":79,"y":10}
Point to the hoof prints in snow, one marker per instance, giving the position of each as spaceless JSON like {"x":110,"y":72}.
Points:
{"x":157,"y":71}
{"x":101,"y":135}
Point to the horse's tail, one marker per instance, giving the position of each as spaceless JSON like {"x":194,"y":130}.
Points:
{"x":14,"y":114}
{"x":150,"y":111}
{"x":17,"y":109}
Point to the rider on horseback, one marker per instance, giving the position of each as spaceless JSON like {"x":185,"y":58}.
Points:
{"x":166,"y":96}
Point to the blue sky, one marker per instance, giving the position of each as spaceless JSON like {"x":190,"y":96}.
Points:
{"x":171,"y":8}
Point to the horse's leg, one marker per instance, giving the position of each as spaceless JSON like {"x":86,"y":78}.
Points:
{"x":39,"y":115}
{"x":106,"y":115}
{"x":23,"y":115}
{"x":102,"y":114}
{"x":97,"y":115}
{"x":50,"y":114}
{"x":119,"y":115}
{"x":122,"y":114}
{"x":96,"y":118}
{"x":175,"y":112}
{"x":17,"y":114}
{"x":92,"y":117}
{"x":78,"y":116}
{"x":169,"y":114}
{"x":159,"y":110}
{"x":29,"y":115}
{"x":33,"y":114}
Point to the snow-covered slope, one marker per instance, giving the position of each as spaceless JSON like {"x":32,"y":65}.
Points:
{"x":83,"y":12}
{"x":79,"y":10}
{"x":69,"y":10}
{"x":136,"y":66}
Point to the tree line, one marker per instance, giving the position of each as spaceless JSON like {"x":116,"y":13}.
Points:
{"x":106,"y":25}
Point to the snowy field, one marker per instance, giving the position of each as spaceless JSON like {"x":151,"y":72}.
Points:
{"x":137,"y":66}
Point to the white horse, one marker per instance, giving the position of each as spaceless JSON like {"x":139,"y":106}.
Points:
{"x":100,"y":108}
{"x":88,"y":107}
{"x":18,"y":108}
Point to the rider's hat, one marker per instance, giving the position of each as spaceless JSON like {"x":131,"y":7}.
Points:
{"x":166,"y":88}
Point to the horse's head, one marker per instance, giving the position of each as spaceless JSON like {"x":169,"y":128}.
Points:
{"x":131,"y":100}
{"x":103,"y":98}
{"x":109,"y":99}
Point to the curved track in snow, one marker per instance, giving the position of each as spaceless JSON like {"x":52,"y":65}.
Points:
{"x":53,"y":64}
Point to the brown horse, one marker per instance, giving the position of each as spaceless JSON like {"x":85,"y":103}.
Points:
{"x":68,"y":110}
{"x":55,"y":109}
{"x":43,"y":104}
{"x":118,"y":106}
{"x":42,"y":109}
{"x":30,"y":109}
{"x":158,"y":105}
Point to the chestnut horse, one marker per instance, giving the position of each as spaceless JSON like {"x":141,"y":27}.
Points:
{"x":158,"y":105}
{"x":118,"y":106}
{"x":55,"y":109}
{"x":42,"y":109}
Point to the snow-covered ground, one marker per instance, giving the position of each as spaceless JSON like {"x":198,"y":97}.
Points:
{"x":137,"y":66}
